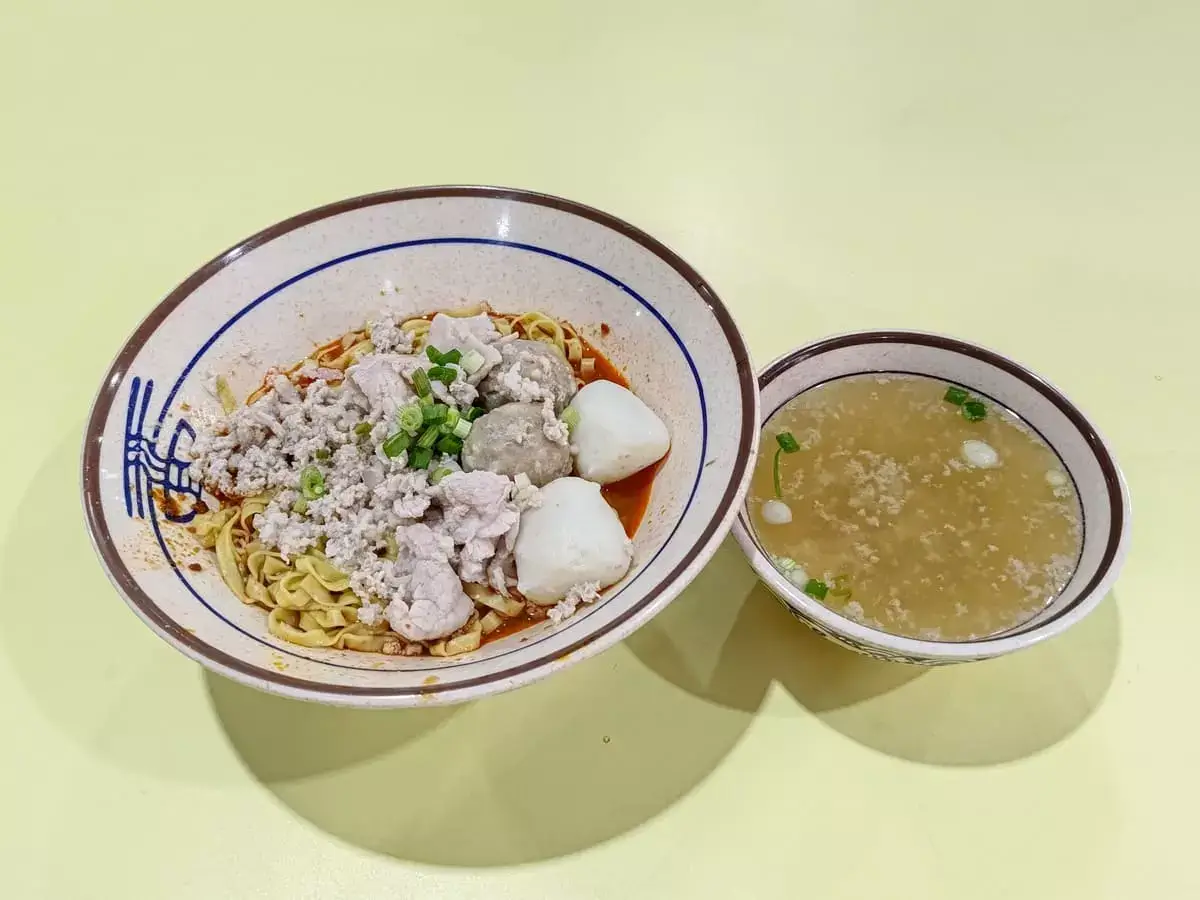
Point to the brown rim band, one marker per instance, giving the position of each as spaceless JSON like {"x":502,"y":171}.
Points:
{"x":1108,"y":466}
{"x":117,"y":372}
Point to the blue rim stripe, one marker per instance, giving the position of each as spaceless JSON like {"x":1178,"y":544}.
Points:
{"x":262,"y":298}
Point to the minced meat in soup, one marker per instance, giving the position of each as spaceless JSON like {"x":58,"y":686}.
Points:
{"x":915,"y":507}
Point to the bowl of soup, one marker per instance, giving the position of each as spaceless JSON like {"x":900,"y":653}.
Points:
{"x":922,"y":499}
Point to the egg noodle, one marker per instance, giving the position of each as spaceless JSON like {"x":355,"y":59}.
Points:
{"x":309,"y":602}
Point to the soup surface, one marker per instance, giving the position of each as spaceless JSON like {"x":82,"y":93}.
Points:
{"x":910,"y":513}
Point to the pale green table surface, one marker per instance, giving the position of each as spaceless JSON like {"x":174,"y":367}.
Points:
{"x":1026,"y":174}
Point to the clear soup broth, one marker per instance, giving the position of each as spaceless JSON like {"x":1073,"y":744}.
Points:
{"x":912,"y":514}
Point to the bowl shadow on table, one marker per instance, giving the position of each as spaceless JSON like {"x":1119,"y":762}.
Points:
{"x":552,"y":769}
{"x":731,"y":642}
{"x":98,"y":676}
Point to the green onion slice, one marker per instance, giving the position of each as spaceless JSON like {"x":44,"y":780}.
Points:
{"x":775,"y":474}
{"x":439,"y":474}
{"x":300,"y":507}
{"x":312,"y":483}
{"x":462,"y":429}
{"x":452,"y":418}
{"x":434,"y":415}
{"x":444,"y":374}
{"x":956,"y":395}
{"x":396,"y":444}
{"x":420,"y":458}
{"x":816,"y":589}
{"x":787,"y":442}
{"x":410,"y":418}
{"x":450,"y":357}
{"x":429,"y":437}
{"x":474,"y":413}
{"x":450,"y":444}
{"x":434,"y":354}
{"x":362,"y":429}
{"x":974,"y":411}
{"x":421,"y":383}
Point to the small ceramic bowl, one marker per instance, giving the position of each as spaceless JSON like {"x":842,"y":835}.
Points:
{"x":1087,"y":459}
{"x":272,"y":298}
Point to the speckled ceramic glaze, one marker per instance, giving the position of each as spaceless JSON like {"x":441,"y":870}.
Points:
{"x":1086,"y":457}
{"x":269,"y":300}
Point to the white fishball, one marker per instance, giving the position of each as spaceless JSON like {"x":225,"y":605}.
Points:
{"x":574,"y":537}
{"x":617,"y":434}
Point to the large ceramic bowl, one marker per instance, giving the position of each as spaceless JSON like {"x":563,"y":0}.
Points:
{"x":1084,"y":454}
{"x":309,"y":279}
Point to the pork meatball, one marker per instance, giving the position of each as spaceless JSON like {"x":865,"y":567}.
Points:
{"x":512,"y":439}
{"x":528,"y":371}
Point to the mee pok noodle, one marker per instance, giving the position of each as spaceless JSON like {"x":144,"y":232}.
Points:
{"x":915,"y":507}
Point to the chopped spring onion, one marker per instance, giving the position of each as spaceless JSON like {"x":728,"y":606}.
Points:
{"x":570,"y":417}
{"x":816,"y":589}
{"x":841,"y":588}
{"x":434,"y":415}
{"x":439,"y":474}
{"x":410,"y":418}
{"x":452,"y":417}
{"x":462,"y":429}
{"x":974,"y":411}
{"x":300,"y":507}
{"x":787,"y":442}
{"x":362,"y":429}
{"x":472,"y":361}
{"x":323,"y":454}
{"x":442,"y":359}
{"x":444,"y":374}
{"x":473,"y":413}
{"x":225,"y":395}
{"x":429,"y":437}
{"x":396,"y":444}
{"x":312,"y":483}
{"x":421,"y":385}
{"x":420,"y":458}
{"x":956,"y":395}
{"x":450,"y":445}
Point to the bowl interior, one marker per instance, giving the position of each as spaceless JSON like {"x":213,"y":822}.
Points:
{"x":1083,"y":453}
{"x":269,"y":301}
